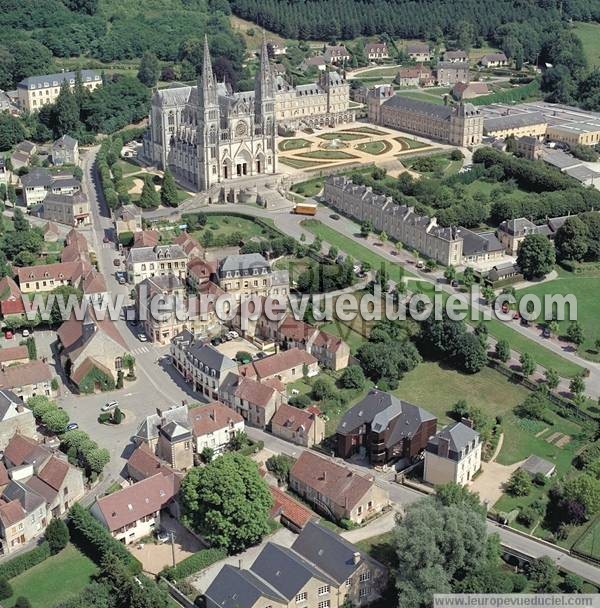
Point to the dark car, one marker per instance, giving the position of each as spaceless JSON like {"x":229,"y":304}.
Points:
{"x":105,"y":239}
{"x":260,"y":355}
{"x":546,"y":332}
{"x":334,"y":216}
{"x":117,"y":262}
{"x":216,"y":341}
{"x":524,"y":322}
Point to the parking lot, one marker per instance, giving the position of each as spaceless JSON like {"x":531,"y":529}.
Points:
{"x":231,"y":348}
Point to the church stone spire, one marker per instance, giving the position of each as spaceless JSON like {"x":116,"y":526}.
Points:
{"x":264,"y":86}
{"x":207,"y":87}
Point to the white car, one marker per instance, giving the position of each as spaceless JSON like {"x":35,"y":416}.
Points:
{"x":233,"y":335}
{"x":25,"y":333}
{"x":142,"y":338}
{"x":111,"y":405}
{"x":162,"y":536}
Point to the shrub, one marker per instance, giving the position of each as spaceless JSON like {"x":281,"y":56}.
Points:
{"x":5,"y":589}
{"x":87,"y":528}
{"x":526,"y":516}
{"x":194,"y":563}
{"x":57,"y":535}
{"x":22,"y":602}
{"x":24,"y":562}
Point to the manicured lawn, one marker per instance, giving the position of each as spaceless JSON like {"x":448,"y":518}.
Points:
{"x":367,"y":130}
{"x":309,"y":188}
{"x":222,"y":225}
{"x":296,"y":143}
{"x":128,"y":167}
{"x":587,"y":292}
{"x":54,"y":580}
{"x":432,"y":95}
{"x":411,"y":144}
{"x":342,"y":136}
{"x":437,"y":387}
{"x":298,"y":163}
{"x":589,"y":34}
{"x":375,"y":147}
{"x":589,"y":541}
{"x":384,"y":72}
{"x":327,"y":154}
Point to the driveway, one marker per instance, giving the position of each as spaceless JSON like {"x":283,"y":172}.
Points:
{"x":231,"y":348}
{"x":489,"y":483}
{"x":155,"y":557}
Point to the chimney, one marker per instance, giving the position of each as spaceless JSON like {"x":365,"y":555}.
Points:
{"x":356,"y":558}
{"x":467,"y":422}
{"x":212,"y":414}
{"x":443,"y":447}
{"x":324,"y":475}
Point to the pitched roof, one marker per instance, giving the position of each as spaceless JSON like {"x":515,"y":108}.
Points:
{"x":85,"y":367}
{"x":201,"y":269}
{"x":54,"y":472}
{"x":18,"y":448}
{"x":187,"y":243}
{"x":4,"y":478}
{"x":150,"y":426}
{"x":212,"y":417}
{"x":248,"y":389}
{"x":30,"y":500}
{"x":288,"y":508}
{"x":243,"y":263}
{"x":513,"y":121}
{"x":146,"y":238}
{"x":534,"y":465}
{"x":328,"y":342}
{"x":58,"y":270}
{"x":293,"y":418}
{"x":41,"y":488}
{"x":137,"y":501}
{"x":458,"y":435}
{"x":11,"y":512}
{"x":65,"y":142}
{"x":13,"y":353}
{"x":9,"y":403}
{"x":25,"y":374}
{"x":295,"y":330}
{"x":144,"y":462}
{"x":420,"y":107}
{"x":276,"y":364}
{"x":340,"y":484}
{"x":48,"y":80}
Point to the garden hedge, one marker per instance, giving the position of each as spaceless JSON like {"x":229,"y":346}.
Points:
{"x":194,"y":563}
{"x":21,"y":563}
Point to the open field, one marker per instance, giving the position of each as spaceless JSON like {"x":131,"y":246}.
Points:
{"x":54,"y":580}
{"x":589,"y":542}
{"x":585,"y":290}
{"x":411,"y":144}
{"x":589,"y":34}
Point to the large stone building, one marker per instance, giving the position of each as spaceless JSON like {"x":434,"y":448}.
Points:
{"x":73,"y":210}
{"x":37,"y":91}
{"x":447,"y":245}
{"x":451,"y":72}
{"x":209,"y":135}
{"x":459,"y":125}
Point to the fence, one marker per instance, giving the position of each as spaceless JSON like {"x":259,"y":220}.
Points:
{"x":178,"y":596}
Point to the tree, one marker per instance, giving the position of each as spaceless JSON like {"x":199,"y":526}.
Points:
{"x":502,"y":350}
{"x":128,"y":361}
{"x":353,"y":377}
{"x":207,"y":455}
{"x":543,"y":573}
{"x":468,"y":277}
{"x":472,"y":353}
{"x":585,"y":490}
{"x":553,"y":328}
{"x":460,"y":409}
{"x":572,"y":583}
{"x":239,"y":440}
{"x":39,"y":405}
{"x":149,"y":198}
{"x":228,"y":502}
{"x":168,"y":192}
{"x":22,"y":602}
{"x":575,"y":333}
{"x":57,"y":535}
{"x":5,"y":588}
{"x":455,"y":494}
{"x":552,"y":378}
{"x":11,"y":131}
{"x":96,"y":459}
{"x":323,"y":388}
{"x":366,"y":228}
{"x":149,"y":70}
{"x":55,"y":420}
{"x":450,"y":273}
{"x":65,"y":112}
{"x":536,"y":256}
{"x":280,"y":465}
{"x":117,"y":416}
{"x":519,"y":483}
{"x":527,"y":364}
{"x":488,"y":294}
{"x":577,"y":386}
{"x":571,"y":240}
{"x":20,"y":222}
{"x":533,"y":407}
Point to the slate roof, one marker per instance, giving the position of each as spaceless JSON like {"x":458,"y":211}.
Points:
{"x":38,"y":177}
{"x":209,"y":356}
{"x":419,"y":107}
{"x":513,"y":121}
{"x":243,"y":263}
{"x":49,"y":80}
{"x":534,"y":465}
{"x":8,"y":399}
{"x":30,"y":500}
{"x":458,"y":435}
{"x":475,"y":243}
{"x":150,"y":426}
{"x":65,"y":142}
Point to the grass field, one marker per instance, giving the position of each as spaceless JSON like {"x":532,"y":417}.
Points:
{"x":311,"y":187}
{"x":296,"y":143}
{"x":298,"y":163}
{"x":341,"y":135}
{"x":367,"y":130}
{"x":589,"y":542}
{"x":327,"y":154}
{"x":222,"y":225}
{"x":437,"y":387}
{"x":589,"y":34}
{"x":586,"y":291}
{"x":411,"y":144}
{"x":54,"y":580}
{"x":375,"y":147}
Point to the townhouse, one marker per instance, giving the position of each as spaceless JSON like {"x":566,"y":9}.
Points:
{"x":419,"y":51}
{"x":376,"y":51}
{"x":73,"y":210}
{"x":65,"y":151}
{"x":39,"y":182}
{"x":285,"y":366}
{"x":214,"y":426}
{"x":147,"y":262}
{"x":28,"y":379}
{"x":451,"y":72}
{"x":247,"y":275}
{"x":14,"y":418}
{"x":302,"y":427}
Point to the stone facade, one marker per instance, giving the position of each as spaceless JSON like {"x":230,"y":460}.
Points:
{"x":14,"y":418}
{"x":451,"y":72}
{"x":460,"y":125}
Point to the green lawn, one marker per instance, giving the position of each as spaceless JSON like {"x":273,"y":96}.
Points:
{"x":367,"y":130}
{"x":589,"y":34}
{"x":128,"y":167}
{"x":411,"y":144}
{"x":586,"y":290}
{"x":437,"y":387}
{"x":327,"y":154}
{"x":54,"y":580}
{"x":375,"y":147}
{"x":431,"y":95}
{"x":589,"y":542}
{"x":383,"y":72}
{"x":341,"y":135}
{"x":309,"y":188}
{"x":222,"y":225}
{"x":297,"y":143}
{"x":298,"y":163}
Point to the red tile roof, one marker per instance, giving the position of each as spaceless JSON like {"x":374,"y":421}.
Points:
{"x":255,"y":392}
{"x":14,"y":353}
{"x":85,"y":367}
{"x":294,"y":330}
{"x":11,"y":513}
{"x":4,"y":478}
{"x":11,"y":302}
{"x":72,"y":330}
{"x":277,"y":364}
{"x":146,"y":464}
{"x":93,"y":282}
{"x":212,"y":417}
{"x":289,"y":508}
{"x":328,"y":342}
{"x":340,"y":484}
{"x":54,"y":472}
{"x":187,"y":243}
{"x":18,"y":448}
{"x":74,"y":237}
{"x":146,"y":238}
{"x":201,"y":269}
{"x":293,"y":418}
{"x":64,"y":271}
{"x":25,"y":374}
{"x":139,"y":500}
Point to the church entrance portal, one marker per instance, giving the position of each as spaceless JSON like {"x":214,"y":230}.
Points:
{"x":242,"y":169}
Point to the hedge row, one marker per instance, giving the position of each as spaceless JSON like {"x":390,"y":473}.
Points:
{"x":194,"y":563}
{"x":89,"y":529}
{"x":24,"y":562}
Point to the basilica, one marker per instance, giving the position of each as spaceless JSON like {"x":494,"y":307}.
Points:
{"x":208,"y":135}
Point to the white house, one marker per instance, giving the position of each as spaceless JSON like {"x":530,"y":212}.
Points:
{"x":214,"y":426}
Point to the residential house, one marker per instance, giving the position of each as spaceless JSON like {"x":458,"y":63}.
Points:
{"x":147,"y":262}
{"x":455,"y":56}
{"x":511,"y":233}
{"x":376,"y":51}
{"x":28,"y":379}
{"x":46,"y":277}
{"x":91,"y":351}
{"x":200,"y":364}
{"x":245,"y":275}
{"x":532,"y":124}
{"x":289,"y":512}
{"x":303,"y":427}
{"x":286,"y":366}
{"x":94,"y":287}
{"x":276,"y":48}
{"x":128,"y":218}
{"x":200,"y":272}
{"x":336,"y":54}
{"x":39,"y":182}
{"x":469,"y":90}
{"x":453,"y":455}
{"x":529,"y":147}
{"x":319,"y":62}
{"x":23,"y":517}
{"x":11,"y":300}
{"x":190,"y":245}
{"x":419,"y":51}
{"x":23,"y":153}
{"x":320,"y":570}
{"x":417,"y":76}
{"x":335,"y":490}
{"x":451,"y":72}
{"x":255,"y":400}
{"x":143,"y":463}
{"x":134,"y":512}
{"x":384,"y":428}
{"x":13,"y":355}
{"x":73,"y":210}
{"x":51,"y":232}
{"x":145,"y":238}
{"x":214,"y":426}
{"x":493,"y":60}
{"x":37,"y":91}
{"x":14,"y":418}
{"x":65,"y":151}
{"x":168,"y":434}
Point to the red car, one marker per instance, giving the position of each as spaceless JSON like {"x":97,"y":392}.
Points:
{"x":8,"y":334}
{"x":505,"y":308}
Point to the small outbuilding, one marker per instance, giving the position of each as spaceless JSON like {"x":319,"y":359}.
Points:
{"x":535,"y":465}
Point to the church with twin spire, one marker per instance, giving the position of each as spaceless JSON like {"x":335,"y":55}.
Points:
{"x":215,"y":135}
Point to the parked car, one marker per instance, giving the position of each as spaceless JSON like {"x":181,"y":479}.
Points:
{"x":546,"y":332}
{"x":26,"y":333}
{"x":394,"y":252}
{"x":216,"y":341}
{"x":111,"y":405}
{"x":420,"y":264}
{"x":234,"y":335}
{"x":260,"y":355}
{"x":334,"y":216}
{"x":162,"y":536}
{"x":524,"y":322}
{"x":105,"y":239}
{"x":516,"y":316}
{"x":117,"y":262}
{"x":72,"y":426}
{"x":453,"y":283}
{"x":8,"y":334}
{"x":142,"y":338}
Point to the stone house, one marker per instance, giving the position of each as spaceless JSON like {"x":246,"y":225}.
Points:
{"x":285,"y":366}
{"x":419,"y":51}
{"x":303,"y":427}
{"x":28,"y":379}
{"x":451,"y":72}
{"x":376,"y":51}
{"x":14,"y":418}
{"x":214,"y":426}
{"x":147,"y":262}
{"x":65,"y":151}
